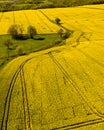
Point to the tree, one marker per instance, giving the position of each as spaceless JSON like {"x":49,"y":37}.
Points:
{"x":60,"y":32}
{"x":38,"y":1}
{"x":8,"y":43}
{"x":66,"y":34}
{"x":57,"y":20}
{"x":31,"y":30}
{"x":13,"y":30}
{"x":16,"y":31}
{"x":19,"y":50}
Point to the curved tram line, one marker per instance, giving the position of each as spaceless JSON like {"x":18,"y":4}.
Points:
{"x":92,"y":108}
{"x":27,"y":119}
{"x":5,"y":118}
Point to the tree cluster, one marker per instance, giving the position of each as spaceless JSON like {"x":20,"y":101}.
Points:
{"x":17,"y":32}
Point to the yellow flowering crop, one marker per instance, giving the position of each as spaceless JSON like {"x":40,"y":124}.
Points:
{"x":61,"y":87}
{"x":26,"y":18}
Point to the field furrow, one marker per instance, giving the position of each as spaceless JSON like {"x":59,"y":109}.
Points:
{"x":58,"y":88}
{"x":42,"y":24}
{"x":21,"y":19}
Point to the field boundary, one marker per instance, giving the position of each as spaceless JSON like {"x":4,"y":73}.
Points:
{"x":53,"y":21}
{"x":68,"y":77}
{"x":5,"y":117}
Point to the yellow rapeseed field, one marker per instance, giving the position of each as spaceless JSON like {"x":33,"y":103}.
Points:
{"x":62,"y":87}
{"x":26,"y":18}
{"x":83,"y":20}
{"x":6,"y":21}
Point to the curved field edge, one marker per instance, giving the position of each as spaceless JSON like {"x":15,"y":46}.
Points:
{"x":59,"y":88}
{"x":56,"y":70}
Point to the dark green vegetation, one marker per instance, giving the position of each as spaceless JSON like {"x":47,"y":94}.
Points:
{"x":16,"y":31}
{"x":40,"y":42}
{"x":71,"y":3}
{"x":37,"y":4}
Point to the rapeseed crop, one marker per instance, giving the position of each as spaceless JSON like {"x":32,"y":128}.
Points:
{"x":62,"y":87}
{"x":26,"y":18}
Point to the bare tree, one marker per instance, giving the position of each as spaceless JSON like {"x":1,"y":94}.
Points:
{"x":8,"y":44}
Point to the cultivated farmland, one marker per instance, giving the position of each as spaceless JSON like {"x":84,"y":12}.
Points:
{"x":86,"y":21}
{"x":62,"y":87}
{"x":26,"y":18}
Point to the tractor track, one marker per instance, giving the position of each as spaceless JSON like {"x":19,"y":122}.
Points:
{"x":84,"y":74}
{"x":80,"y":124}
{"x":27,"y":18}
{"x":48,"y":27}
{"x":8,"y":100}
{"x":20,"y":71}
{"x":27,"y":119}
{"x":53,"y":21}
{"x":70,"y":80}
{"x":14,"y":22}
{"x":91,"y":58}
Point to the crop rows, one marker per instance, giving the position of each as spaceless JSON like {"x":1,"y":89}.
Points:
{"x":5,"y":22}
{"x":45,"y":98}
{"x":51,"y":106}
{"x":80,"y":20}
{"x":26,"y":18}
{"x":8,"y":114}
{"x":54,"y":91}
{"x":57,"y":90}
{"x":86,"y":81}
{"x":57,"y":102}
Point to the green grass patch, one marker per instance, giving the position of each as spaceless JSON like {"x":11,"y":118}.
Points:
{"x":41,"y":42}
